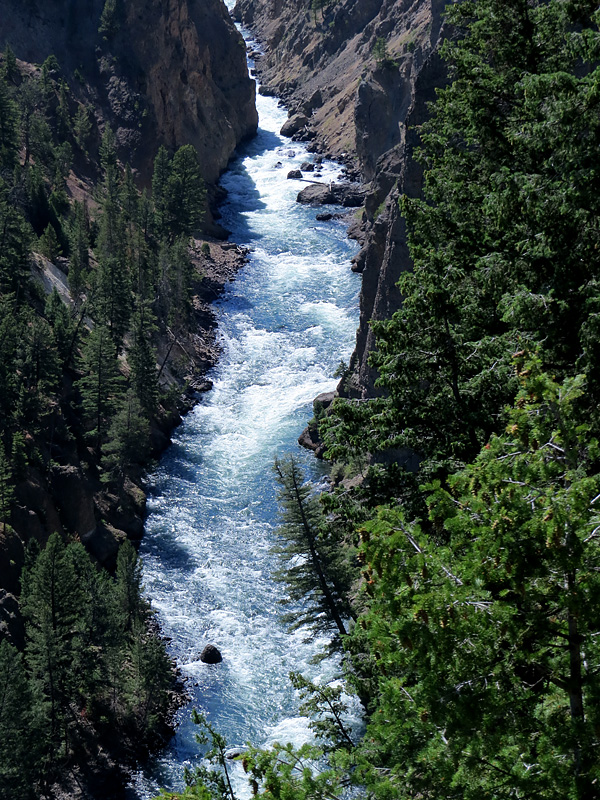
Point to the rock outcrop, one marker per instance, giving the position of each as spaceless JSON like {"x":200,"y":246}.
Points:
{"x":169,"y":72}
{"x":363,"y":72}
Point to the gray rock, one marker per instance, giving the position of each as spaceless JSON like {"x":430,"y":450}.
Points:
{"x":325,"y":216}
{"x":234,"y":752}
{"x":307,"y":166}
{"x":342,"y":194}
{"x":294,"y":124}
{"x":294,"y":173}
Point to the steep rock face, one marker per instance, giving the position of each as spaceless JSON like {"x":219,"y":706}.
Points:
{"x":365,"y":71}
{"x":169,"y":72}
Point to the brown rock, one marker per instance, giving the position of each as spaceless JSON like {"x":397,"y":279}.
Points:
{"x":294,"y":125}
{"x":75,"y":496}
{"x":211,"y":655}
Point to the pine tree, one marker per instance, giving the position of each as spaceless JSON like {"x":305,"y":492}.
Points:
{"x":503,"y":252}
{"x":142,"y":358}
{"x":9,"y":141}
{"x":10,"y":70}
{"x":52,"y":604}
{"x":17,"y":736}
{"x":79,"y":260}
{"x":101,"y":383}
{"x":482,"y":641}
{"x":128,"y":438}
{"x":82,"y":127}
{"x":309,"y":581}
{"x":186,"y":193}
{"x":49,"y":245}
{"x":160,"y":180}
{"x":15,"y":236}
{"x":6,"y":487}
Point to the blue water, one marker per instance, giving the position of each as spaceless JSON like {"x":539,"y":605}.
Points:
{"x":285,"y":323}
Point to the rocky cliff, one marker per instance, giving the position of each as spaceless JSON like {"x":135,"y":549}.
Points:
{"x":362,"y":73}
{"x":169,"y":72}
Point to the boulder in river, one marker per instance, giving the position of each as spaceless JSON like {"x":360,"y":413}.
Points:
{"x":293,"y":125}
{"x":211,"y":655}
{"x":307,"y":166}
{"x":342,"y":194}
{"x":324,"y":216}
{"x":294,"y":173}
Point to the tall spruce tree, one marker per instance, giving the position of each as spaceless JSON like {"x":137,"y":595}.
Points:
{"x":18,"y":740}
{"x":52,"y":604}
{"x":100,"y":384}
{"x":311,"y":583}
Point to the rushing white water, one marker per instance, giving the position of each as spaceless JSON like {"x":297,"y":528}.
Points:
{"x":285,"y":323}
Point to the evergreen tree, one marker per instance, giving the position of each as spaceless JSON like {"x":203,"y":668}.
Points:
{"x":100,"y":384}
{"x":63,"y":328}
{"x":160,"y":180}
{"x":9,"y":141}
{"x":79,"y":244}
{"x":49,"y":245}
{"x":309,"y":583}
{"x":503,"y":252}
{"x":142,"y":358}
{"x":10,"y":70}
{"x":186,"y":193}
{"x":82,"y":127}
{"x":17,"y":737}
{"x":52,"y":603}
{"x":15,"y":237}
{"x":484,"y":644}
{"x":112,"y":297}
{"x":132,"y":608}
{"x":6,"y":487}
{"x":128,"y":438}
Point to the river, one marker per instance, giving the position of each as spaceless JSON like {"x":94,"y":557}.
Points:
{"x":284,"y":324}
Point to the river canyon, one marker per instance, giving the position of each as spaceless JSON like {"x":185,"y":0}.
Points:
{"x":285,"y":323}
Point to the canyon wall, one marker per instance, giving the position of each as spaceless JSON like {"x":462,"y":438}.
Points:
{"x":363,"y":73}
{"x":169,"y":72}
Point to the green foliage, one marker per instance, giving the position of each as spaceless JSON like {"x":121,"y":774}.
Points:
{"x":480,"y":642}
{"x":17,"y":756}
{"x":79,"y":245}
{"x":109,"y":19}
{"x":90,"y":660}
{"x":48,"y":244}
{"x":178,"y":193}
{"x":10,"y":70}
{"x":128,"y":439}
{"x":82,"y":127}
{"x":15,"y":237}
{"x":100,"y":383}
{"x":282,"y":772}
{"x":381,"y":54}
{"x":95,"y":678}
{"x":504,"y":245}
{"x":8,"y":128}
{"x":323,"y":705}
{"x":315,"y":584}
{"x":6,"y":487}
